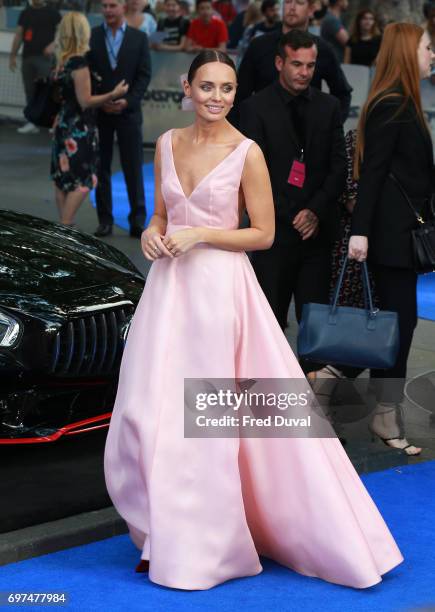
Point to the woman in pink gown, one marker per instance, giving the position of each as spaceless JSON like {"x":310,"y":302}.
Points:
{"x":202,"y":510}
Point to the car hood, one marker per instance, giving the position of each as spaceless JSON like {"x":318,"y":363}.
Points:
{"x":37,"y":256}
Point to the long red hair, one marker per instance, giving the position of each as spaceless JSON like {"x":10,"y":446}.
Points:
{"x":396,"y":69}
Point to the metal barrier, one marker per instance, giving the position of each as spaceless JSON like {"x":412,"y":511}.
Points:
{"x":12,"y":98}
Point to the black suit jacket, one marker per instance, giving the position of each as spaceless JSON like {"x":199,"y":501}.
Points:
{"x":257,"y":71}
{"x":396,"y":143}
{"x":266,"y":119}
{"x":134,"y":65}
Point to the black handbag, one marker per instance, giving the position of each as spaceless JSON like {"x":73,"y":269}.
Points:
{"x":358,"y":337}
{"x":44,"y":104}
{"x":423,"y":238}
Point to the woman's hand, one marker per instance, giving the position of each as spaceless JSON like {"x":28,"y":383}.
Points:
{"x":152,"y":245}
{"x":358,"y":247}
{"x":120,"y":90}
{"x":182,"y":241}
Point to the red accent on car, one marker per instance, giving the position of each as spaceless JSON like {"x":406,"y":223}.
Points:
{"x":67,"y":430}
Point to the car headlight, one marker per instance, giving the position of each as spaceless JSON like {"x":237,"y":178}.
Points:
{"x":9,"y":330}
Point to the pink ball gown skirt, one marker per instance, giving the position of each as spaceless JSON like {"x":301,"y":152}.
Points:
{"x":202,"y":510}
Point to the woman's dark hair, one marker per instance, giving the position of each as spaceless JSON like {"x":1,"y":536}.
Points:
{"x":355,"y":34}
{"x":206,"y":57}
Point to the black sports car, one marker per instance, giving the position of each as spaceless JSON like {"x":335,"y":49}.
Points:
{"x":66,"y":301}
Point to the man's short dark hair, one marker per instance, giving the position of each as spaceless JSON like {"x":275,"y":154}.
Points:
{"x":295,"y":39}
{"x":267,"y":4}
{"x":199,"y":2}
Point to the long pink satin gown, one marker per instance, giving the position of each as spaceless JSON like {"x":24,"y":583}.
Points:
{"x":203,"y":510}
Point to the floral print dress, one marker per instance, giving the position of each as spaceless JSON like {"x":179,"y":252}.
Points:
{"x":352,"y":289}
{"x":75,"y":143}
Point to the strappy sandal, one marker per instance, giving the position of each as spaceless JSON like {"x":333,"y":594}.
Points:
{"x":401,"y":448}
{"x":399,"y":411}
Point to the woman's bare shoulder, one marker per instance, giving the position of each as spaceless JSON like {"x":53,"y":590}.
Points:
{"x":255,"y":154}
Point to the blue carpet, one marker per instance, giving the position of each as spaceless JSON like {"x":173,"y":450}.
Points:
{"x":426,"y":284}
{"x":426,"y":296}
{"x":101,"y":576}
{"x":121,"y":207}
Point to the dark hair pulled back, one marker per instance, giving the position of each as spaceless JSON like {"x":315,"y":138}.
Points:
{"x":206,"y":57}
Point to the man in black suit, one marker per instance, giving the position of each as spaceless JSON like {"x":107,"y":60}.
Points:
{"x":119,"y":52}
{"x":300,"y":132}
{"x":257,"y":69}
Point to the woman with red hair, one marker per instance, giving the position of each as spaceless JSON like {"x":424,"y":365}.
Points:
{"x":394,"y":156}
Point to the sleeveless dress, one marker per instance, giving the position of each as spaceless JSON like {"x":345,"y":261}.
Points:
{"x":74,"y":157}
{"x":203,"y":510}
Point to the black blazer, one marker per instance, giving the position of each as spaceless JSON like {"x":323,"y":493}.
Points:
{"x":401,"y":145}
{"x":266,"y":119}
{"x":134,"y":65}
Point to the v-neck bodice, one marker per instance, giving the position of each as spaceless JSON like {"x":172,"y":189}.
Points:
{"x":214,"y":200}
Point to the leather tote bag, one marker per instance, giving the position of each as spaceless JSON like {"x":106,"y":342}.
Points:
{"x":342,"y":335}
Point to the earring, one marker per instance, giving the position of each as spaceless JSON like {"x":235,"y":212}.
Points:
{"x":187,"y":104}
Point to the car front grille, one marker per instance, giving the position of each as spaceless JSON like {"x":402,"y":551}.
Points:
{"x":90,"y":345}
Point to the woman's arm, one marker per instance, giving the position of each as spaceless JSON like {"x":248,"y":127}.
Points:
{"x":16,"y":44}
{"x":382,"y":131}
{"x":381,"y":135}
{"x":151,"y":241}
{"x":257,"y":193}
{"x":347,"y":55}
{"x":82,"y":87}
{"x":159,"y":219}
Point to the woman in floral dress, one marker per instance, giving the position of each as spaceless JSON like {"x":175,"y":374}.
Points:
{"x":75,"y":145}
{"x":352,"y":290}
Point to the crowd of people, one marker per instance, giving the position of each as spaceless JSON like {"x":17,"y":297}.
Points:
{"x":103,"y":75}
{"x":222,"y":24}
{"x":175,"y":26}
